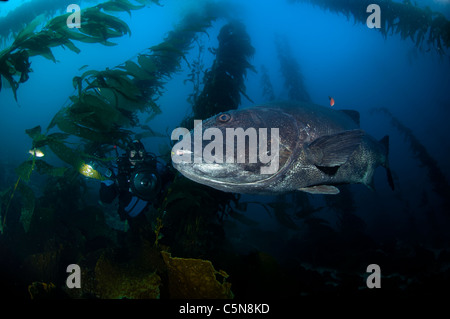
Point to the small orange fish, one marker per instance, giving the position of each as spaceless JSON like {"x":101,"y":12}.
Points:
{"x":331,"y":101}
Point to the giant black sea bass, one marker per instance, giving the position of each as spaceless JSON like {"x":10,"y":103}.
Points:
{"x":280,"y":147}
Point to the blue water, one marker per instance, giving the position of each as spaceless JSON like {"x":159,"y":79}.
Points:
{"x":355,"y":65}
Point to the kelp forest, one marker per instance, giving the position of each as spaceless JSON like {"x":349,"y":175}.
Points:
{"x":183,"y":249}
{"x":427,"y":29}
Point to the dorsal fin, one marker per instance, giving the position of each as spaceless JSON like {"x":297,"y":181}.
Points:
{"x":354,"y":115}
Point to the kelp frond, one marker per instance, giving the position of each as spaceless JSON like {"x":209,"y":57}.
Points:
{"x":224,"y":81}
{"x":97,"y":27}
{"x":421,"y":25}
{"x":109,"y":100}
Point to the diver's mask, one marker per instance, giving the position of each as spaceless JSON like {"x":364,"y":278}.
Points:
{"x":136,"y":156}
{"x":136,"y":152}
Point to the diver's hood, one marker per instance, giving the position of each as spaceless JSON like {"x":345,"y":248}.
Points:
{"x":145,"y":183}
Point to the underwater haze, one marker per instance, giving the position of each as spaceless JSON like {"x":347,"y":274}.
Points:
{"x":62,"y":93}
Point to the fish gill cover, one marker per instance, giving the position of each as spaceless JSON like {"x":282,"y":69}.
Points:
{"x":315,"y":245}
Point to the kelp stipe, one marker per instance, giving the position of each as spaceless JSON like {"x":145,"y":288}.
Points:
{"x":224,"y":81}
{"x":193,"y":210}
{"x":266,"y":84}
{"x":291,"y":71}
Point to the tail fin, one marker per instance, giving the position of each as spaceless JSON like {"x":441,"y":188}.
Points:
{"x":385,"y":142}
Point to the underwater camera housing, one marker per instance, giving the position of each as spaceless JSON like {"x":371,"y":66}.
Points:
{"x":145,"y":183}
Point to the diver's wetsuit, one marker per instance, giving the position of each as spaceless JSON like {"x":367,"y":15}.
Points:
{"x":131,"y":203}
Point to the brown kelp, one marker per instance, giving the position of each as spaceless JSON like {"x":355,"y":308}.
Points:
{"x":195,"y":77}
{"x":427,"y":29}
{"x":97,"y":27}
{"x":98,"y":116}
{"x":440,"y":184}
{"x":266,"y":85}
{"x":115,"y":281}
{"x":108,"y":101}
{"x":290,"y":69}
{"x":195,"y":278}
{"x":194,"y":212}
{"x":224,"y":81}
{"x":55,"y":143}
{"x":19,"y":17}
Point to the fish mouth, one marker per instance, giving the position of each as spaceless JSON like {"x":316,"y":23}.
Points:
{"x":210,"y":180}
{"x":204,"y":172}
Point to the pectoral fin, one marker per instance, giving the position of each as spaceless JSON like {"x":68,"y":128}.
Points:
{"x":320,"y":189}
{"x":334,"y":150}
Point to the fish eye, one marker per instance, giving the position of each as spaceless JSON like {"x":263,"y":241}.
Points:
{"x":225,"y":117}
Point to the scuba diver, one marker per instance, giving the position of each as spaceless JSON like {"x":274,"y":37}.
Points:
{"x":138,"y":179}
